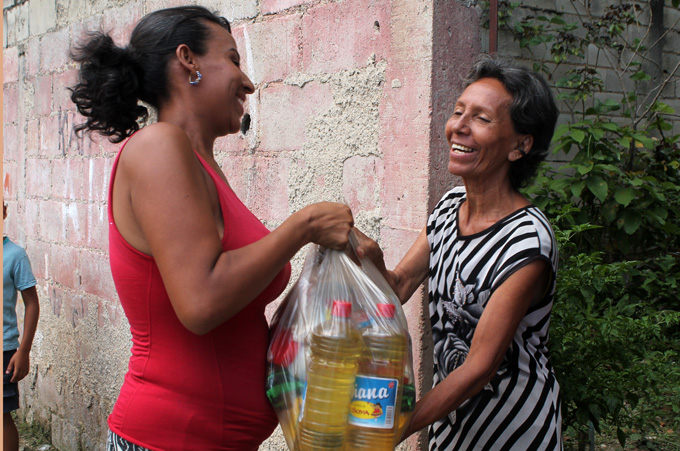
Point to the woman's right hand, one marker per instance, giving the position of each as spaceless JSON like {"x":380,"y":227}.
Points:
{"x":329,"y":224}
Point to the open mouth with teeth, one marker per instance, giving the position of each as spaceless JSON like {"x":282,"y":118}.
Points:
{"x":461,"y":149}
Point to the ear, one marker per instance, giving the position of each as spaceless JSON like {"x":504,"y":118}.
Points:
{"x":186,"y":57}
{"x":524,"y":144}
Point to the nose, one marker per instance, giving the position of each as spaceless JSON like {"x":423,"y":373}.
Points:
{"x":457,"y":124}
{"x":248,"y":86}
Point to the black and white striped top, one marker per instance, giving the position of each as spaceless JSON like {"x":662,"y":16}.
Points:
{"x":520,"y":408}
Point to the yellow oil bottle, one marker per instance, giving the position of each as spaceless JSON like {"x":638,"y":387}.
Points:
{"x":374,"y":421}
{"x":335,"y":348}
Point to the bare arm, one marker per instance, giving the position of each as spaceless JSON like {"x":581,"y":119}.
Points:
{"x":20,"y":362}
{"x":411,"y":270}
{"x":492,"y":338}
{"x":170,"y":201}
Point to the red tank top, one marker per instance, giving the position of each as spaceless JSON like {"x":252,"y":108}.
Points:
{"x":184,"y":391}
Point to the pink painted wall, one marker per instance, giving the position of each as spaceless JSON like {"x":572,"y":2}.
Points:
{"x":351,"y":100}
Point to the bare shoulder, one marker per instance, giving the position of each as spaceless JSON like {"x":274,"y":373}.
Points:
{"x":159,"y":146}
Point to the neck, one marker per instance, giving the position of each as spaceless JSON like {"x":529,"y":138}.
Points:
{"x":484,"y":206}
{"x":201,"y":139}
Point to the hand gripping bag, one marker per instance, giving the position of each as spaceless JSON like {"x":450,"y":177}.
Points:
{"x":340,"y":368}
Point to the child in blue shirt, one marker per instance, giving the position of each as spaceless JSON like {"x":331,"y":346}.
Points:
{"x":17,"y":276}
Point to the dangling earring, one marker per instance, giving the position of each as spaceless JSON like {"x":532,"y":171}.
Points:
{"x":198,"y":78}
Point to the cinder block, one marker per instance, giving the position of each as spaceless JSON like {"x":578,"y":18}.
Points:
{"x":9,"y":19}
{"x":274,"y":6}
{"x":270,"y":191}
{"x":10,"y":143}
{"x":343,"y":35}
{"x":71,"y":11}
{"x":99,"y":173}
{"x":32,"y":137}
{"x":31,"y":225}
{"x":97,"y":227}
{"x":10,"y":65}
{"x":43,"y":95}
{"x":77,"y":224}
{"x":52,"y":225}
{"x":22,"y":22}
{"x":32,"y":56}
{"x":67,"y":178}
{"x":52,"y":129}
{"x":38,"y":177}
{"x":10,"y":104}
{"x":54,"y":48}
{"x":398,"y":196}
{"x":61,"y":96}
{"x":361,"y":181}
{"x":274,"y":47}
{"x":285,"y":112}
{"x":63,"y":264}
{"x":5,"y":34}
{"x":42,"y":16}
{"x":95,"y":277}
{"x":396,"y":242}
{"x":234,"y":9}
{"x":121,"y":21}
{"x":75,"y":309}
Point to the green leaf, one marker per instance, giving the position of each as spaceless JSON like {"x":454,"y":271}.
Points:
{"x":585,"y":168}
{"x":624,"y":196}
{"x":644,"y":140}
{"x":597,"y":133}
{"x":609,"y":211}
{"x":624,"y":141}
{"x":577,"y":188}
{"x":661,"y":107}
{"x":598,"y":187}
{"x":621,"y":436}
{"x":560,"y":131}
{"x":611,"y":126}
{"x":577,"y":135}
{"x":631,"y":221}
{"x":640,"y":76}
{"x":660,"y":212}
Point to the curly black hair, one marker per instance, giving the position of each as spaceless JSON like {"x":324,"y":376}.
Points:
{"x":112,"y":80}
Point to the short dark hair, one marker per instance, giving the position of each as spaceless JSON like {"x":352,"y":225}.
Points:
{"x":111,"y":79}
{"x":533,"y":110}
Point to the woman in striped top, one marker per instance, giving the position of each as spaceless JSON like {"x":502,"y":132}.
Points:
{"x":491,"y":260}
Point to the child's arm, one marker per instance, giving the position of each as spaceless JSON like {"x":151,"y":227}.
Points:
{"x":20,"y":362}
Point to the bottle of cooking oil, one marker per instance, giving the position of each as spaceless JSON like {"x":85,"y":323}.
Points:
{"x":375,"y":409}
{"x":335,"y":348}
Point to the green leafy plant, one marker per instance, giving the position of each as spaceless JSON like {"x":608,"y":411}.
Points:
{"x":615,"y":206}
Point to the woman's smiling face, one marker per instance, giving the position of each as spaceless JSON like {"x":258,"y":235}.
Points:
{"x":224,"y":86}
{"x":480,"y":133}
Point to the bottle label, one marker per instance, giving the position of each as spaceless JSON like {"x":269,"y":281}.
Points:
{"x":374,"y":401}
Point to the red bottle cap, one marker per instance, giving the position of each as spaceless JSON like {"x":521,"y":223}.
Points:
{"x":283,"y":348}
{"x":386,"y":310}
{"x":342,"y":309}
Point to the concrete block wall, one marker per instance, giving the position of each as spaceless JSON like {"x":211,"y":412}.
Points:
{"x":350,"y":105}
{"x":667,"y":54}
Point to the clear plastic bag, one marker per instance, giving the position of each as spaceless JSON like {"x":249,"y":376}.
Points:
{"x":340,"y":368}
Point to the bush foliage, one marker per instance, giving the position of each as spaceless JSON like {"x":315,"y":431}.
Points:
{"x":615,"y":208}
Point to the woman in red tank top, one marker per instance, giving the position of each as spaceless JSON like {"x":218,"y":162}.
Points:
{"x":193,"y":267}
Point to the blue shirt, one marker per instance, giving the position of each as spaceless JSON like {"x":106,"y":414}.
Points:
{"x":16,"y":276}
